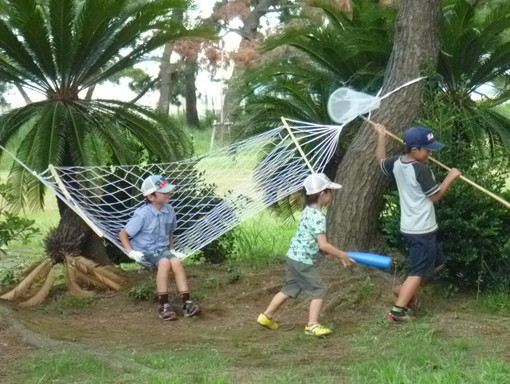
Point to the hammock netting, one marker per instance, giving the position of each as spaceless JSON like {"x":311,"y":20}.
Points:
{"x":214,"y":192}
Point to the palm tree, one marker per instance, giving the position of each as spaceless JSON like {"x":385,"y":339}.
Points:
{"x":474,"y":63}
{"x":60,"y":49}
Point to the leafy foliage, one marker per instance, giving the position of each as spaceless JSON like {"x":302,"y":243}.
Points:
{"x":12,"y":226}
{"x":473,"y":69}
{"x":62,"y":48}
{"x":315,"y":54}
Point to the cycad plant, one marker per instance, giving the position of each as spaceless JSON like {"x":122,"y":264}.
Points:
{"x":474,"y":73}
{"x":62,"y":49}
{"x":324,"y":50}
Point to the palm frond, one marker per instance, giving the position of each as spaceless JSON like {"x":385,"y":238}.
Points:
{"x":72,"y":280}
{"x":42,"y":293}
{"x":22,"y":288}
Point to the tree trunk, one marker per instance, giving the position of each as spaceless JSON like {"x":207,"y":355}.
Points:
{"x":93,"y":248}
{"x":190,"y":74}
{"x":165,"y":75}
{"x":354,"y":213}
{"x":248,"y":32}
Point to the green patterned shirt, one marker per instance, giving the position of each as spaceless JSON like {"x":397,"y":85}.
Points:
{"x":304,"y":246}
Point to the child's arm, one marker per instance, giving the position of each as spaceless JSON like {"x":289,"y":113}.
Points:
{"x":447,"y":182}
{"x":380,"y":148}
{"x":124,"y":240}
{"x":179,"y":255}
{"x":326,"y":247}
{"x":171,"y":240}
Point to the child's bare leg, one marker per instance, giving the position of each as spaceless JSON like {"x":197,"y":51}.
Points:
{"x":180,"y":275}
{"x":275,"y":304}
{"x":408,"y":290}
{"x":162,"y":275}
{"x":315,"y":311}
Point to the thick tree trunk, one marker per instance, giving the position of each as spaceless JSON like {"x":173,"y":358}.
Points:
{"x":93,"y":248}
{"x":353,"y":216}
{"x":191,"y":93}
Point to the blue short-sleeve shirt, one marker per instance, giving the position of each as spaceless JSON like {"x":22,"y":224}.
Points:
{"x":150,"y":228}
{"x":304,"y":246}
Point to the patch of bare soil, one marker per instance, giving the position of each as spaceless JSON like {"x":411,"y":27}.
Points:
{"x":12,"y":348}
{"x":227,"y":324}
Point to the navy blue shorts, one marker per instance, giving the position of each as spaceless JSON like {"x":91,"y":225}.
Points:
{"x":424,"y":254}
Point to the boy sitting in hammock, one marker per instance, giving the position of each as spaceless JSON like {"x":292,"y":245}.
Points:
{"x":148,"y":238}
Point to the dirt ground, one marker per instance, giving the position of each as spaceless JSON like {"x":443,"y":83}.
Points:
{"x":227,"y":324}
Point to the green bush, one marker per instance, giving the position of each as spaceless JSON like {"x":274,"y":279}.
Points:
{"x":12,"y":226}
{"x":143,"y":292}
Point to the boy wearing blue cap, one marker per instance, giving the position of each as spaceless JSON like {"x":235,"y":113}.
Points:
{"x":418,"y":190}
{"x":148,"y":239}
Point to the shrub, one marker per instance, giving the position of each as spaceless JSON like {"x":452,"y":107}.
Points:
{"x":12,"y":226}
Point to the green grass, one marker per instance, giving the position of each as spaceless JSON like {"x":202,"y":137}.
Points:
{"x":201,"y":140}
{"x":496,"y":302}
{"x":417,"y":353}
{"x":179,"y":367}
{"x":263,"y":239}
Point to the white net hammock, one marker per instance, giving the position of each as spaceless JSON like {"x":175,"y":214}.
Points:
{"x":214,"y":192}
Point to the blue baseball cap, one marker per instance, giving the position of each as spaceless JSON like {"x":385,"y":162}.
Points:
{"x":421,"y":137}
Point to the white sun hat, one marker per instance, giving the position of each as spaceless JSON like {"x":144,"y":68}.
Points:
{"x":156,"y":183}
{"x":318,"y":182}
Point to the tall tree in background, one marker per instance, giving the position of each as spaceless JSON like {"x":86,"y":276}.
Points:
{"x":250,"y":14}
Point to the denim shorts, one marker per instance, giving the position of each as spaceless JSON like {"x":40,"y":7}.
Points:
{"x":303,"y":277}
{"x":153,"y":258}
{"x":424,"y":252}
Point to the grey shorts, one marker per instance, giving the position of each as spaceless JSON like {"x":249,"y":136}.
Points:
{"x":424,"y":252}
{"x":153,"y":258}
{"x":303,"y":277}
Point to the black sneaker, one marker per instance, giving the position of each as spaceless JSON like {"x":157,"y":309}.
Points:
{"x":190,"y":309}
{"x":166,"y":313}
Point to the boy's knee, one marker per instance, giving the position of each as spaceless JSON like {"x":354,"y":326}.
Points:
{"x":175,"y":262}
{"x":164,"y":264}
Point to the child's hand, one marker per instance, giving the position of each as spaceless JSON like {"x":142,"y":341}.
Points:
{"x":136,"y":256}
{"x":454,"y":173}
{"x":179,"y":255}
{"x":346,"y":260}
{"x":380,"y":129}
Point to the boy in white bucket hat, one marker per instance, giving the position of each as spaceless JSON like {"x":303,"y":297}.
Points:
{"x":148,"y":239}
{"x":302,"y":262}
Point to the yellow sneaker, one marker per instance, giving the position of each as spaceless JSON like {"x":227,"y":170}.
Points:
{"x":317,"y":330}
{"x":266,"y":322}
